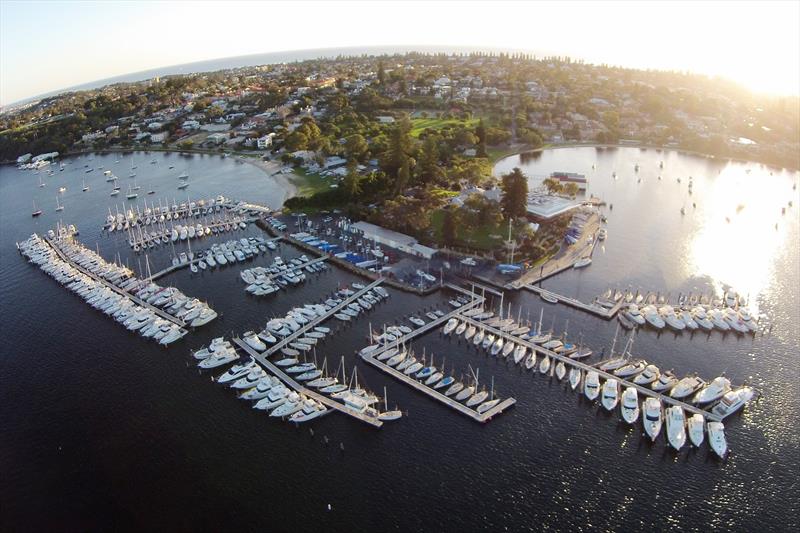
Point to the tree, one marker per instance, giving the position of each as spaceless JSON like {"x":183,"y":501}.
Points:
{"x":449,"y":224}
{"x":356,"y":147}
{"x":296,"y":140}
{"x":552,"y":185}
{"x":480,"y":133}
{"x":381,"y":73}
{"x":515,"y":194}
{"x":351,"y":184}
{"x":429,"y":170}
{"x":570,"y":189}
{"x":403,"y":176}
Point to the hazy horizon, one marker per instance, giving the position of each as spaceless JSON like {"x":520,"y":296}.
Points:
{"x":50,"y":47}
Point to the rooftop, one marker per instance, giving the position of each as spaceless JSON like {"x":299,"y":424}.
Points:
{"x":547,"y":206}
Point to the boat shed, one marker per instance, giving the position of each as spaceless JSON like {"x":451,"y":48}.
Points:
{"x":393,"y":239}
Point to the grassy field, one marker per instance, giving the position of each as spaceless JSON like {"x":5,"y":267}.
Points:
{"x":484,"y":238}
{"x":309,"y":184}
{"x":418,"y":125}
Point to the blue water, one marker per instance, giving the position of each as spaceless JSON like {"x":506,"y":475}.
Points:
{"x":102,"y":429}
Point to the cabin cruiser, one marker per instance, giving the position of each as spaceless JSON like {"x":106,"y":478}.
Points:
{"x":530,"y":362}
{"x":461,"y":328}
{"x":734,"y":321}
{"x":262,"y":388}
{"x":718,"y":319}
{"x":652,"y":417}
{"x":696,"y":429}
{"x":470,"y":332}
{"x":667,"y":312}
{"x":253,"y":341}
{"x":676,"y":427}
{"x":574,"y":377}
{"x":610,"y":394}
{"x":450,"y":326}
{"x":591,"y":385}
{"x":237,"y":371}
{"x":652,"y":317}
{"x":251,"y":379}
{"x":311,"y":410}
{"x":716,"y":438}
{"x":732,"y":401}
{"x":519,"y":353}
{"x":497,"y":346}
{"x":631,"y":369}
{"x":648,"y":375}
{"x":686,"y":387}
{"x":633,"y":314}
{"x":274,"y":398}
{"x":688,"y":320}
{"x":215,"y":345}
{"x":701,"y":319}
{"x":630,"y":405}
{"x":713,"y":391}
{"x":665,"y":382}
{"x":292,"y":404}
{"x":478,"y":338}
{"x":508,"y":348}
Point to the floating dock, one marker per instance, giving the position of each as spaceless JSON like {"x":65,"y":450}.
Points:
{"x":261,"y":358}
{"x":371,"y":358}
{"x":318,"y":320}
{"x":598,"y":310}
{"x":123,"y":292}
{"x":646,"y":391}
{"x":173,"y":268}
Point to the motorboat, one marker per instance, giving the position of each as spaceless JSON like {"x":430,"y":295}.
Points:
{"x":701,"y":319}
{"x":630,"y":405}
{"x":497,"y":346}
{"x":218,"y":358}
{"x":667,"y":313}
{"x":450,"y":326}
{"x":461,"y":328}
{"x":676,"y":427}
{"x":530,"y":362}
{"x":591,"y":385}
{"x":250,"y":380}
{"x":652,"y":317}
{"x":574,"y":377}
{"x":292,"y":404}
{"x":274,"y":398}
{"x":688,"y":319}
{"x":648,"y":375}
{"x":716,"y":438}
{"x":732,"y":401}
{"x":686,"y":386}
{"x":261,"y":390}
{"x":236,"y":371}
{"x":713,"y":391}
{"x":508,"y":348}
{"x":652,"y":417}
{"x":631,"y":369}
{"x":633,"y":314}
{"x":253,"y":341}
{"x":696,"y":429}
{"x":610,"y":394}
{"x":519,"y":353}
{"x":665,"y":382}
{"x":301,"y":368}
{"x":471,"y":330}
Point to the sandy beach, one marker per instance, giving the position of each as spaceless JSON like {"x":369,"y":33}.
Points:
{"x":271,"y":169}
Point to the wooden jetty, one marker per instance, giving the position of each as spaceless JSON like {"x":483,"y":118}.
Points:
{"x":197,"y":259}
{"x":595,"y":309}
{"x":261,"y":358}
{"x":646,"y":391}
{"x":123,"y":292}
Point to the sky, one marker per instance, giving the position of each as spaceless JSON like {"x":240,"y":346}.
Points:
{"x":47,"y":46}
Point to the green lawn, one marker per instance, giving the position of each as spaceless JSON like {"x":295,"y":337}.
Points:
{"x":309,"y":184}
{"x":418,"y":125}
{"x":484,"y":238}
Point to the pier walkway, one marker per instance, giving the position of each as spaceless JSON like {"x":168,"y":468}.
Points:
{"x":261,"y":358}
{"x":646,"y":391}
{"x":318,"y":320}
{"x":197,"y":259}
{"x":123,"y":292}
{"x":602,"y":312}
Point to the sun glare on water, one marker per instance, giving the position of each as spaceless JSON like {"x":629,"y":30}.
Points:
{"x":738,"y":242}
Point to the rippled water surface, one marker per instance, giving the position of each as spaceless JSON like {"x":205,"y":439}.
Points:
{"x":102,"y":429}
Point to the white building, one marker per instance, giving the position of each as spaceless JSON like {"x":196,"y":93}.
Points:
{"x":394,"y":239}
{"x":217,"y":138}
{"x":158,"y":138}
{"x":155,"y":126}
{"x":385,"y":119}
{"x":265,"y":142}
{"x":190,"y":125}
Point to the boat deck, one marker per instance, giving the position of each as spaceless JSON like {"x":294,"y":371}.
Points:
{"x":646,"y":391}
{"x":123,"y":292}
{"x":261,"y":358}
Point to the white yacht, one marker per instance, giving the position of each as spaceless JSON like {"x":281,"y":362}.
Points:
{"x":610,"y":394}
{"x":236,"y":371}
{"x":253,"y":341}
{"x":561,"y":370}
{"x":591,"y":385}
{"x":716,"y":438}
{"x":634,"y":315}
{"x":631,"y":369}
{"x":652,"y":417}
{"x":713,"y":391}
{"x":652,"y":317}
{"x":219,"y":358}
{"x":732,"y":401}
{"x":261,"y":390}
{"x":686,"y":387}
{"x":648,"y":375}
{"x":630,"y":405}
{"x":696,"y":425}
{"x":249,"y":380}
{"x":544,"y":366}
{"x":274,"y":398}
{"x":293,"y":404}
{"x":676,"y":427}
{"x":519,"y":353}
{"x":667,"y":312}
{"x":665,"y":382}
{"x":450,"y":326}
